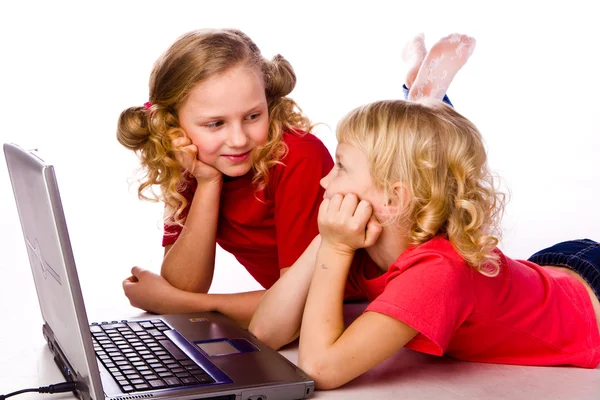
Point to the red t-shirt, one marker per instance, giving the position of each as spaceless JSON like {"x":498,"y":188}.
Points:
{"x":527,"y":315}
{"x":268,"y":230}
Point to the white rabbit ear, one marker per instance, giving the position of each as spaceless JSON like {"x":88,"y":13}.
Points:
{"x":414,"y":48}
{"x":413,"y":54}
{"x":441,"y":64}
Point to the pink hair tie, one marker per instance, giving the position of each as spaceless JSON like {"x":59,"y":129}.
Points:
{"x":147,"y":105}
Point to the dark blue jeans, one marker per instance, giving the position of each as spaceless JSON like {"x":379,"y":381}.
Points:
{"x":581,"y":256}
{"x":405,"y":90}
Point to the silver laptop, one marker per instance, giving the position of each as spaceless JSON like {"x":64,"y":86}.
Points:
{"x":190,"y":356}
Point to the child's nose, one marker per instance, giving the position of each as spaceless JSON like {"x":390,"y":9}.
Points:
{"x":238,"y":137}
{"x":325,"y":181}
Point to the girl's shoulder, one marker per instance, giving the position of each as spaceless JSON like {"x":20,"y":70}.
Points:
{"x":302,"y":146}
{"x":299,"y":138}
{"x":435,"y":254}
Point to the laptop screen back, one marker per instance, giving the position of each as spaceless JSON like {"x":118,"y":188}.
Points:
{"x":52,"y":263}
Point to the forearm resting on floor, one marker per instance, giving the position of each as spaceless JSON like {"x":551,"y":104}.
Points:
{"x":278,"y":317}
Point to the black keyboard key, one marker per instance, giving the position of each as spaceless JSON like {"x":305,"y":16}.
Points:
{"x":135,"y":327}
{"x":195,"y":371}
{"x":147,"y":325}
{"x":204,"y":378}
{"x":113,"y":326}
{"x":172,"y":381}
{"x":189,"y":380}
{"x":157,"y":383}
{"x":95,"y":329}
{"x":173,"y":349}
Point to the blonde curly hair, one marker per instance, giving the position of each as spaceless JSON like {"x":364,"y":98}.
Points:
{"x":439,"y":156}
{"x":193,"y":58}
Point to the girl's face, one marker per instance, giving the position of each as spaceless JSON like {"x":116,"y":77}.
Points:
{"x":351,"y":174}
{"x":226,"y":117}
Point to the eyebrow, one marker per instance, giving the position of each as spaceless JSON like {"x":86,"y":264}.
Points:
{"x":339,"y":157}
{"x":215,"y":117}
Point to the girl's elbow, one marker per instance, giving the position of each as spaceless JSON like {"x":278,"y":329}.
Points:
{"x":266,"y":336}
{"x":323,"y":375}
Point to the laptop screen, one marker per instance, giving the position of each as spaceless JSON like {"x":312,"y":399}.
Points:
{"x":52,"y":263}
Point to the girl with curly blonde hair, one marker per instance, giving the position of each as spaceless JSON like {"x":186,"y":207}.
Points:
{"x":411,"y":215}
{"x":233,"y":159}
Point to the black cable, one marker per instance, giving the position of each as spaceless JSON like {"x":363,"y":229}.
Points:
{"x":56,"y":388}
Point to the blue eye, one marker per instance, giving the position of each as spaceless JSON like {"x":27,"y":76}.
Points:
{"x":214,"y":124}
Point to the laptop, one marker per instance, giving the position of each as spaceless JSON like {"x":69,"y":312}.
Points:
{"x":187,"y":356}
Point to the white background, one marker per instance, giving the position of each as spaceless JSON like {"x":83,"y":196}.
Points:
{"x":68,"y":69}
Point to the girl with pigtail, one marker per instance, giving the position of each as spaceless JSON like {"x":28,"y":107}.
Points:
{"x":236,"y":165}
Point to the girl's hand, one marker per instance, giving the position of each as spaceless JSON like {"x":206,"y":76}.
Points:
{"x":347,"y":224}
{"x":151,"y":292}
{"x":186,"y":154}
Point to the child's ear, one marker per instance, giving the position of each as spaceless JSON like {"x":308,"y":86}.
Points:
{"x":401,"y":197}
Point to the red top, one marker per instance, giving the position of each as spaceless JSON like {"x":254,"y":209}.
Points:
{"x":268,"y":230}
{"x":527,"y":315}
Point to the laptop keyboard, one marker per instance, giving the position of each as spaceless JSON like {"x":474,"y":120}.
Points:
{"x":140,"y":357}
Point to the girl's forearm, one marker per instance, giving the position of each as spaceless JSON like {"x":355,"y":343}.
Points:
{"x":323,"y":320}
{"x":279,"y":315}
{"x":238,"y":306}
{"x":189,"y":264}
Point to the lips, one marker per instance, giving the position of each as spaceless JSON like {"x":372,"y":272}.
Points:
{"x":238,"y":158}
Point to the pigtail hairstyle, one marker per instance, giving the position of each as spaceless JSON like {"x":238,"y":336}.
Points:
{"x":439,"y":157}
{"x":284,"y":115}
{"x":192,"y":59}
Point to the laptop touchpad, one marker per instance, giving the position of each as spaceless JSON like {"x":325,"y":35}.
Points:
{"x":224,"y":347}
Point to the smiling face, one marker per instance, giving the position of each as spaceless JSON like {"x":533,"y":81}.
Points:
{"x":226,"y":117}
{"x":351,"y":174}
